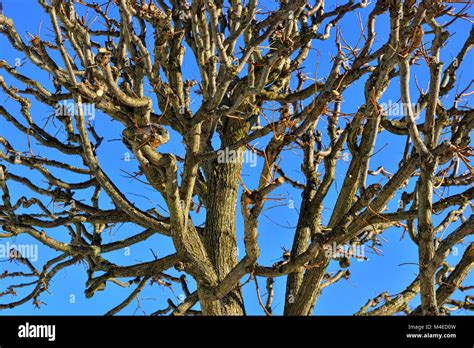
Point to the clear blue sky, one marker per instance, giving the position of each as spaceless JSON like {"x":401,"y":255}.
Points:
{"x":368,"y":279}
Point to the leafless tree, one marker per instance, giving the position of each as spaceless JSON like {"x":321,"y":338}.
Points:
{"x":248,"y":54}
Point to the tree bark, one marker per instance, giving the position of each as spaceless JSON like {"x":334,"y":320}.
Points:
{"x":220,"y":237}
{"x":426,"y":249}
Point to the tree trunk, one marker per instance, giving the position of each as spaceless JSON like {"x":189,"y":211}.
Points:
{"x":426,"y":248}
{"x":220,"y":233}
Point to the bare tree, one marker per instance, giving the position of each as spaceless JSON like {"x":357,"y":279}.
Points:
{"x":250,"y":59}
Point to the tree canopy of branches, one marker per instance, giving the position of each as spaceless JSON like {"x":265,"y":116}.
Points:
{"x":256,"y":92}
